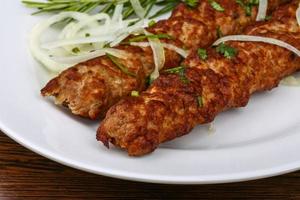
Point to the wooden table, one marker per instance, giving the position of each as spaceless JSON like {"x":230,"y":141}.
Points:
{"x":26,"y":174}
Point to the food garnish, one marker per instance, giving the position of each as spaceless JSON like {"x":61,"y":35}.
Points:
{"x":120,"y":66}
{"x":135,"y":93}
{"x":248,"y":5}
{"x":180,"y":71}
{"x":140,"y":8}
{"x":226,"y":50}
{"x":216,"y":6}
{"x":252,"y":38}
{"x":262,"y":10}
{"x":202,"y":53}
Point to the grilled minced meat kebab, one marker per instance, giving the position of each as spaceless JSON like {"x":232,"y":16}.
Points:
{"x":90,"y":88}
{"x":179,"y":100}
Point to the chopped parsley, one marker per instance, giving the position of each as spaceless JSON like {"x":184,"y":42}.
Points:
{"x":180,"y":71}
{"x":76,"y":50}
{"x":191,"y":3}
{"x":227,"y":51}
{"x":202,"y":53}
{"x":135,"y":93}
{"x":215,"y":5}
{"x":151,"y":23}
{"x":247,"y":5}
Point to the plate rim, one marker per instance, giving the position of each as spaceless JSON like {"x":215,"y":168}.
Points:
{"x":129,"y":176}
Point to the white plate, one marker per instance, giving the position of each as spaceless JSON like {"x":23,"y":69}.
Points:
{"x":258,"y":141}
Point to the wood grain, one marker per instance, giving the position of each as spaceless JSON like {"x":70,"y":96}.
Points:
{"x":26,"y":174}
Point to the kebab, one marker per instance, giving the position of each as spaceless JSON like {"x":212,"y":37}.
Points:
{"x":194,"y":93}
{"x":90,"y":88}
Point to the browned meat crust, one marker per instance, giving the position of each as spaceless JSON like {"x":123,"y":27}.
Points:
{"x":90,"y":88}
{"x":171,"y":107}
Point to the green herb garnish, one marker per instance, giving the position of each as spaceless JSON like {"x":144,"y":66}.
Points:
{"x":191,"y":3}
{"x":180,"y":71}
{"x":200,"y":101}
{"x":105,"y":6}
{"x":143,"y":37}
{"x":169,"y":5}
{"x":227,"y":51}
{"x":167,"y":8}
{"x":253,"y":2}
{"x":149,"y":81}
{"x":135,"y":93}
{"x":76,"y":50}
{"x":268,"y":17}
{"x":175,"y":70}
{"x":202,"y":53}
{"x":151,"y":23}
{"x":216,"y":6}
{"x":247,"y":5}
{"x":120,"y":66}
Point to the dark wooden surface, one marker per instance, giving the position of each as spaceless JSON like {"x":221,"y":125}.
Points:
{"x":26,"y":174}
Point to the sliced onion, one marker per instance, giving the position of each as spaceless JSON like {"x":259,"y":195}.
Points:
{"x":110,"y":27}
{"x":66,"y":42}
{"x":136,"y":28}
{"x":172,"y":47}
{"x":72,"y":60}
{"x":291,"y":81}
{"x":88,"y":34}
{"x":298,"y":15}
{"x":66,"y":30}
{"x":178,"y":50}
{"x":262,"y":10}
{"x":138,"y":9}
{"x":140,"y":44}
{"x":70,"y":33}
{"x":158,"y":55}
{"x":91,"y":22}
{"x":119,"y":39}
{"x":251,"y":38}
{"x":117,"y":16}
{"x":211,"y":128}
{"x":73,"y":29}
{"x":38,"y":30}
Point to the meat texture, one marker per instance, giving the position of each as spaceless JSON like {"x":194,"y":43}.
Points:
{"x":90,"y":88}
{"x":176,"y":102}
